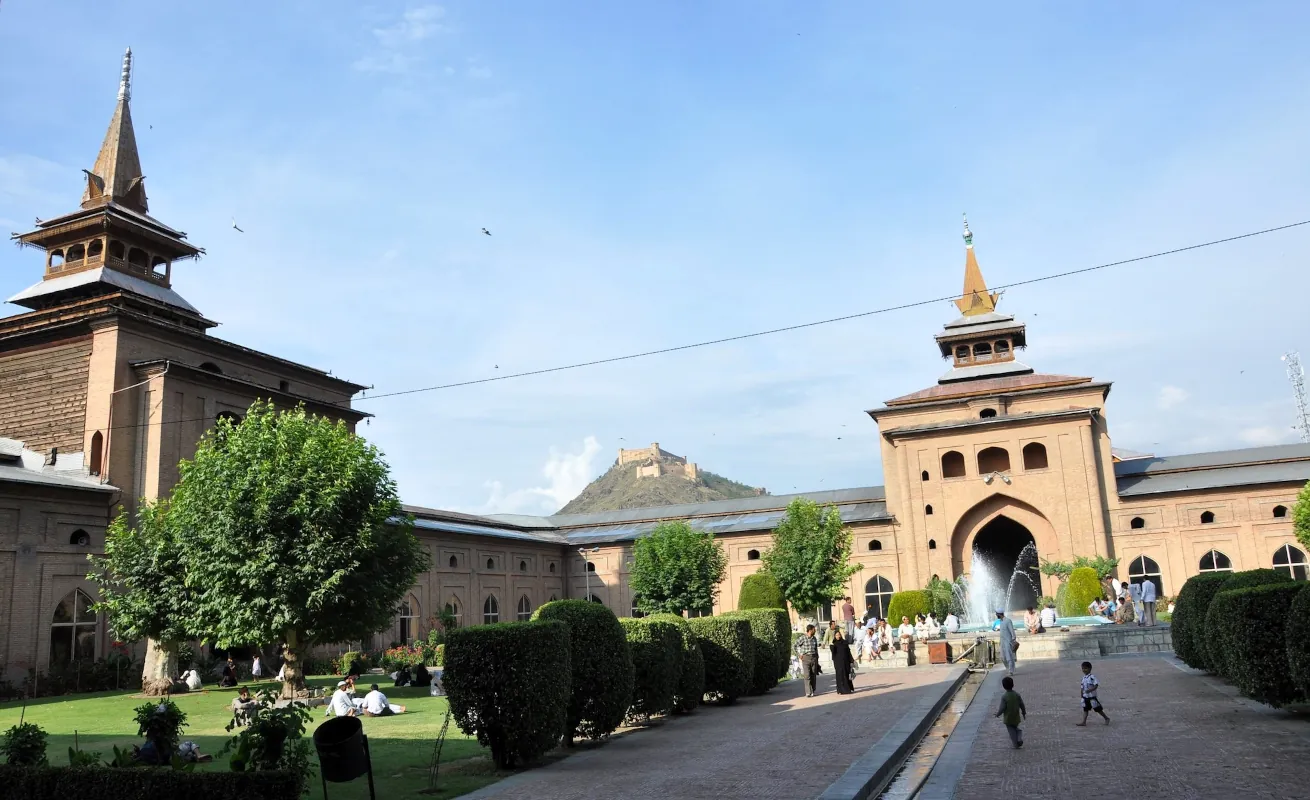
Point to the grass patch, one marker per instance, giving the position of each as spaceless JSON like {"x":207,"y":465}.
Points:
{"x":401,"y":746}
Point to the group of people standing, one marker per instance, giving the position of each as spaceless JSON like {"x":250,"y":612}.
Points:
{"x":1131,"y":602}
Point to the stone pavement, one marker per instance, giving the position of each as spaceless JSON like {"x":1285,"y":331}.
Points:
{"x":1174,"y":734}
{"x":780,"y":745}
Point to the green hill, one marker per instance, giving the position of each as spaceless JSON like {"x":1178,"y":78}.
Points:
{"x":620,"y":487}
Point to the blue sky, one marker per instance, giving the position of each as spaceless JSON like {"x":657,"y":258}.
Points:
{"x":659,"y":173}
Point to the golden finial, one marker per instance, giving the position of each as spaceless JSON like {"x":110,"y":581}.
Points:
{"x":976,"y":299}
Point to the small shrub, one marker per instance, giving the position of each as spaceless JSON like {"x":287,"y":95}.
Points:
{"x":1080,"y":590}
{"x":1251,"y":626}
{"x":910,"y":604}
{"x":1297,"y":637}
{"x":656,"y":648}
{"x":760,"y":590}
{"x":510,"y":684}
{"x":1216,"y":651}
{"x":728,"y":648}
{"x":186,"y":653}
{"x":403,"y":656}
{"x":161,"y":724}
{"x":105,"y":783}
{"x":690,"y":687}
{"x":353,"y":662}
{"x":602,"y":667}
{"x":771,"y":629}
{"x":1188,"y":624}
{"x":24,"y":746}
{"x":274,"y":739}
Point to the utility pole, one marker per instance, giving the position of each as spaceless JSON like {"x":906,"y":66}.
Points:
{"x":1296,"y":375}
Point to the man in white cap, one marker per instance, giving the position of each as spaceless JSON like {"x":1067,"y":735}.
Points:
{"x":342,"y":705}
{"x":1009,"y":644}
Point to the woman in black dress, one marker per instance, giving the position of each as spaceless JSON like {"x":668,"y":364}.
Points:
{"x":841,"y":662}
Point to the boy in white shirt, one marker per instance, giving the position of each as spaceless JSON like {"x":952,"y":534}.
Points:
{"x":1089,"y":688}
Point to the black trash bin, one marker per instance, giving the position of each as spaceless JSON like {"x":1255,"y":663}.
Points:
{"x":342,"y":752}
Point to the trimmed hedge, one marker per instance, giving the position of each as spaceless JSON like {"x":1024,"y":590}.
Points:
{"x":116,"y":783}
{"x":1080,"y":590}
{"x":1297,"y":637}
{"x":771,"y":629}
{"x":509,"y":684}
{"x":910,"y":604}
{"x":728,"y":647}
{"x":602,"y":667}
{"x":1251,"y":625}
{"x":656,"y":647}
{"x":1188,"y":624}
{"x":690,"y":687}
{"x":1215,"y":652}
{"x":760,"y":590}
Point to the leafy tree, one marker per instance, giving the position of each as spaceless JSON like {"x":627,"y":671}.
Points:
{"x":1301,"y":516}
{"x":943,"y":597}
{"x":1056,"y":569}
{"x":811,"y":553}
{"x":294,"y":533}
{"x":676,"y":568}
{"x":1104,"y":567}
{"x":143,"y":591}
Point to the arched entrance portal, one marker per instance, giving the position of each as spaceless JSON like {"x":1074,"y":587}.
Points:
{"x":1005,"y":558}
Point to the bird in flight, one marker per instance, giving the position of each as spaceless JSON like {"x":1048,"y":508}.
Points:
{"x":235,"y":228}
{"x":484,"y":230}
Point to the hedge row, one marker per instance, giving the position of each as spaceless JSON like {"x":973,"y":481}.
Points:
{"x":910,"y":604}
{"x":1251,"y":627}
{"x":1215,"y":652}
{"x":1188,"y":623}
{"x":601,"y":667}
{"x":510,"y":685}
{"x":1298,"y":641}
{"x":771,"y":630}
{"x":728,"y":647}
{"x":116,"y":783}
{"x":656,"y":647}
{"x":690,"y":687}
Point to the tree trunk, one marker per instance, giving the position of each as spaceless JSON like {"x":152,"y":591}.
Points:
{"x":160,"y":668}
{"x":293,"y":679}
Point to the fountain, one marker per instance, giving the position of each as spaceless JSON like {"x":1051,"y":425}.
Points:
{"x":991,"y":585}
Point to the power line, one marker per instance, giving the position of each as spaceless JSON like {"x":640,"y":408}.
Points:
{"x":771,"y":331}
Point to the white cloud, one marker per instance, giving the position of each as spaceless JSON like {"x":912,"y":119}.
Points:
{"x":415,"y":25}
{"x":1171,"y":397}
{"x":479,"y":72}
{"x":1265,"y":435}
{"x":566,"y":474}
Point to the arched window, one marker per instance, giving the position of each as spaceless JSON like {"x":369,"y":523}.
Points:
{"x":1034,"y":456}
{"x":982,"y":351}
{"x":408,"y":620}
{"x":752,"y":555}
{"x":523,"y":566}
{"x":453,"y":609}
{"x":927,"y":510}
{"x":454,"y":562}
{"x":210,"y":366}
{"x":932,"y":544}
{"x":73,"y":630}
{"x":552,"y":568}
{"x":554,"y":598}
{"x":591,"y":567}
{"x":1280,"y":512}
{"x":874,"y":544}
{"x":1002,"y":348}
{"x":232,"y":417}
{"x":1137,"y":523}
{"x":952,"y":464}
{"x":1215,"y":561}
{"x":595,"y":598}
{"x":136,"y":257}
{"x":56,"y":258}
{"x":987,"y":413}
{"x":878,"y":593}
{"x":79,"y":538}
{"x":962,"y":353}
{"x":924,"y":476}
{"x":490,"y":610}
{"x":76,"y":253}
{"x":95,"y":249}
{"x":491,"y":563}
{"x":525,"y":609}
{"x":117,"y":250}
{"x":97,"y":452}
{"x":1290,"y":561}
{"x":1207,"y":517}
{"x":993,"y":459}
{"x":1145,"y":569}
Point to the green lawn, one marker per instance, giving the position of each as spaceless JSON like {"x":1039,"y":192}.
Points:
{"x":401,"y":746}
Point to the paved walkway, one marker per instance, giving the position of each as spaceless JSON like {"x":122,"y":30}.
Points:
{"x":1174,"y":735}
{"x":780,"y":745}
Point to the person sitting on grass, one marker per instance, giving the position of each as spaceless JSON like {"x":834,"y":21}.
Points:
{"x":377,"y":705}
{"x":341,"y":704}
{"x":243,"y":706}
{"x":229,"y":677}
{"x":403,"y":678}
{"x":1125,"y":614}
{"x":421,"y":676}
{"x":192,"y":680}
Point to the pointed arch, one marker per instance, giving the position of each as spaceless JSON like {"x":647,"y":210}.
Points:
{"x":525,"y":608}
{"x":976,"y":518}
{"x":73,"y":629}
{"x":97,"y":452}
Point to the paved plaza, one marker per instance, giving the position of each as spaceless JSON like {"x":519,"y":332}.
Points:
{"x":779,"y":745}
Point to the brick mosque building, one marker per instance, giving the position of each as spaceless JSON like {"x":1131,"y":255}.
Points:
{"x":109,"y":378}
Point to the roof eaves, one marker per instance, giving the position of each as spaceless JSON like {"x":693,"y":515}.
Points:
{"x":997,"y":421}
{"x":219,"y":377}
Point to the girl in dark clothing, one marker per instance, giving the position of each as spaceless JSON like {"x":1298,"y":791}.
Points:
{"x":841,"y":662}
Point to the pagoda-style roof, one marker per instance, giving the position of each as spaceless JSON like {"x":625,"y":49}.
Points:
{"x":1008,"y":384}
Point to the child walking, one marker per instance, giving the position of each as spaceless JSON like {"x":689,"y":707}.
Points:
{"x":1012,"y":709}
{"x":1090,"y":702}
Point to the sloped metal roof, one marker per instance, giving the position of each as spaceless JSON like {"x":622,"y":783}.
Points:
{"x":108,"y":276}
{"x":716,"y":507}
{"x":1215,"y":478}
{"x":469,"y":529}
{"x":1218,"y":458}
{"x":735,"y":523}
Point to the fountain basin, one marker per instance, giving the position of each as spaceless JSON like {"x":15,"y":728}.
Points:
{"x":1063,"y":622}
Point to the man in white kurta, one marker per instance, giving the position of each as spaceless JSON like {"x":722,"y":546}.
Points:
{"x":1008,"y":641}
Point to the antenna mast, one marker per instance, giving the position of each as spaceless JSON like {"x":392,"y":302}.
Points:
{"x":1296,"y":375}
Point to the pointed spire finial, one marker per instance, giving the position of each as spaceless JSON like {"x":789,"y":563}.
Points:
{"x":968,"y":234}
{"x":976,"y":299}
{"x":125,"y":83}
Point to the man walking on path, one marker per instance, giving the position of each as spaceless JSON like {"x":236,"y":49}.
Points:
{"x":1148,"y":602}
{"x":848,"y":614}
{"x":808,"y":650}
{"x":1009,"y":643}
{"x":1135,"y":592}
